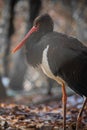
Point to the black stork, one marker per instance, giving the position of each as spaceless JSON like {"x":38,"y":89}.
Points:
{"x":62,"y":58}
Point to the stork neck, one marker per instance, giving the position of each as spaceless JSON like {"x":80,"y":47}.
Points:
{"x":36,"y":36}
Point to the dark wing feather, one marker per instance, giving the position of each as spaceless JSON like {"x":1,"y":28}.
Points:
{"x":67,"y":58}
{"x":74,"y":72}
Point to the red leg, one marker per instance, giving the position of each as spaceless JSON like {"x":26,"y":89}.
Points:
{"x":79,"y":118}
{"x":64,"y":101}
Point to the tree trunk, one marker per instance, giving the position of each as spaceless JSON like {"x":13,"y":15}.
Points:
{"x":3,"y":94}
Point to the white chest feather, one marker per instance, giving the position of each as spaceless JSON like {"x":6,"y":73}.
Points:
{"x":45,"y":65}
{"x":46,"y":68}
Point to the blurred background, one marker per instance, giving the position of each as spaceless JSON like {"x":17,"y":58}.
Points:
{"x":17,"y":79}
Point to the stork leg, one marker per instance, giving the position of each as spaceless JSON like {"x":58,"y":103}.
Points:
{"x":79,"y":118}
{"x":64,"y":101}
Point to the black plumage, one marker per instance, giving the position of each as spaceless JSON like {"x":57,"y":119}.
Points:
{"x":70,"y":64}
{"x":61,"y":57}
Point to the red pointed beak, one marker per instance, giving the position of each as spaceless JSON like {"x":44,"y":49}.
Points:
{"x":33,"y":29}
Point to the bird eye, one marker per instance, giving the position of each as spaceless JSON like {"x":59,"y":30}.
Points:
{"x":37,"y":25}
